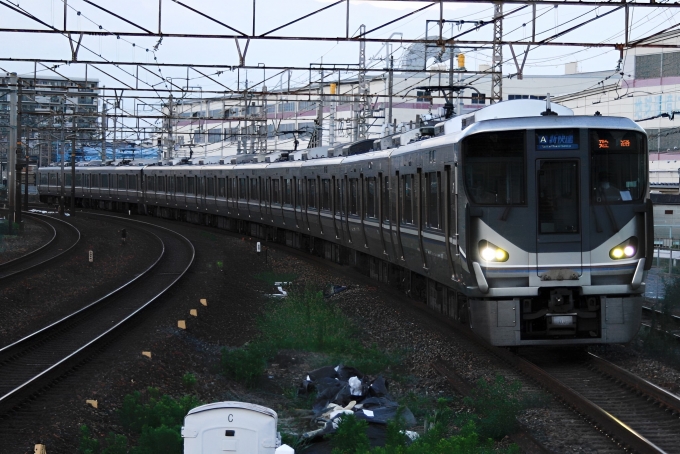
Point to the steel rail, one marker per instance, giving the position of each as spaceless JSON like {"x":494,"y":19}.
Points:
{"x":34,"y":258}
{"x":657,"y":313}
{"x":49,"y":335}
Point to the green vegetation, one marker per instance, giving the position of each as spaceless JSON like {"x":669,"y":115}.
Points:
{"x":654,"y":342}
{"x":189,"y":380}
{"x":351,"y":436}
{"x":304,"y":321}
{"x":155,"y":419}
{"x":496,"y":405}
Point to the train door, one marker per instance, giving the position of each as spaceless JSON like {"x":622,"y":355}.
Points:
{"x":559,"y":230}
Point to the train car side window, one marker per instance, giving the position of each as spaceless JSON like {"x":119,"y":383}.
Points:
{"x":433,"y":200}
{"x":221,"y":187}
{"x":618,"y":166}
{"x":53,"y":179}
{"x":371,"y":198}
{"x":171,"y":184}
{"x":150,"y":183}
{"x":105,"y":180}
{"x":254,"y":189}
{"x":179,"y":189}
{"x":121,"y":182}
{"x":268,"y":191}
{"x":160,"y":183}
{"x":340,"y":188}
{"x":95,"y":180}
{"x":298,"y":199}
{"x":276,"y":193}
{"x":43,"y":179}
{"x":354,"y":196}
{"x":386,"y":200}
{"x":311,"y":194}
{"x":287,"y":193}
{"x":210,"y":187}
{"x":242,"y":188}
{"x":326,"y":194}
{"x":79,"y":179}
{"x":495,"y":168}
{"x":132,"y":182}
{"x":67,"y":179}
{"x":407,"y":199}
{"x":191,"y":185}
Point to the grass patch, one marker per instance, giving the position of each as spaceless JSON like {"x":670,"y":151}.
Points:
{"x":304,"y":321}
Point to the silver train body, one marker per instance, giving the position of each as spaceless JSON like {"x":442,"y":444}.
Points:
{"x":535,"y":230}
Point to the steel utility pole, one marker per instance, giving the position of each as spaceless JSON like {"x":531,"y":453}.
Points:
{"x":17,"y":159}
{"x":497,"y":54}
{"x":12,"y":150}
{"x":62,"y":175}
{"x":390,"y":89}
{"x":169,"y":140}
{"x":363,"y":88}
{"x":73,"y":167}
{"x":103,"y":152}
{"x":28,"y":141}
{"x":319,"y":114}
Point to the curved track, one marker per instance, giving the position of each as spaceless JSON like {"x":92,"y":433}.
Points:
{"x":65,"y":237}
{"x":35,"y":361}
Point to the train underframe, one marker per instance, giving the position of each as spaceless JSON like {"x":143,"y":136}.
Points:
{"x":555,"y":316}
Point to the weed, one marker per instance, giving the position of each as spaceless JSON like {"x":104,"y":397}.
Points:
{"x":189,"y":380}
{"x":351,"y":436}
{"x":295,"y":441}
{"x":115,"y":444}
{"x":246,"y":364}
{"x":496,"y":405}
{"x":88,"y":444}
{"x":160,"y":440}
{"x":136,"y":414}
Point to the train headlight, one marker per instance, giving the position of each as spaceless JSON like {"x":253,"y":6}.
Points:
{"x":492,"y":253}
{"x":625,"y":250}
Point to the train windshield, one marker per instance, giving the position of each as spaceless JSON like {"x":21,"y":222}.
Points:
{"x":618,"y":166}
{"x":495,"y":164}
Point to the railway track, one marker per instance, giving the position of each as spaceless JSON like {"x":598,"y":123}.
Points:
{"x":36,"y":361}
{"x":64,"y":238}
{"x":637,"y":414}
{"x":668,"y":322}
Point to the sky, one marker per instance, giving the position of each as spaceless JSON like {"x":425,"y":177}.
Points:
{"x":329,"y":23}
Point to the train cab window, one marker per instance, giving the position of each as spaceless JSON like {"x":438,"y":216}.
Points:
{"x":191,"y":185}
{"x":79,"y":180}
{"x":386,"y":200}
{"x":354,"y":196}
{"x":254,"y":189}
{"x":105,"y":180}
{"x":221,"y":187}
{"x":287,"y":192}
{"x":433,"y":200}
{"x":67,"y":179}
{"x":340,"y":196}
{"x":311,"y":193}
{"x":53,"y":179}
{"x":94,"y":180}
{"x":326,"y":194}
{"x":494,"y":164}
{"x":276,"y":192}
{"x":132,"y":182}
{"x":242,"y":189}
{"x":618,"y":166}
{"x":371,"y":198}
{"x":407,"y":199}
{"x":210,"y":186}
{"x":179,"y":185}
{"x":121,"y":182}
{"x":558,"y":196}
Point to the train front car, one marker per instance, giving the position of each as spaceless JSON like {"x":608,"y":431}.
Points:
{"x":558,"y":228}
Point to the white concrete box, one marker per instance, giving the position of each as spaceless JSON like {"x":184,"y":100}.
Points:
{"x":229,"y":428}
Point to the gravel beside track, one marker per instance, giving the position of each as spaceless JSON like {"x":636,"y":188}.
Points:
{"x":36,"y":234}
{"x":64,"y":238}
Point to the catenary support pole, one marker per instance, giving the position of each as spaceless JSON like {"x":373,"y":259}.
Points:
{"x":19,"y":155}
{"x":73,"y":169}
{"x":12,"y":150}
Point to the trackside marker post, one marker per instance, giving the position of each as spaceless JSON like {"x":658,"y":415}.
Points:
{"x":92,"y":403}
{"x":193,"y":312}
{"x":147,"y":354}
{"x":204,"y":301}
{"x":39,"y":449}
{"x":90,"y":256}
{"x":181,"y":324}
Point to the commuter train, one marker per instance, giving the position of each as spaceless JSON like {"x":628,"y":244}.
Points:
{"x":529,"y":223}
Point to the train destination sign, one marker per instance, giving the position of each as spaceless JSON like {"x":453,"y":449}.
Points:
{"x":557,"y":140}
